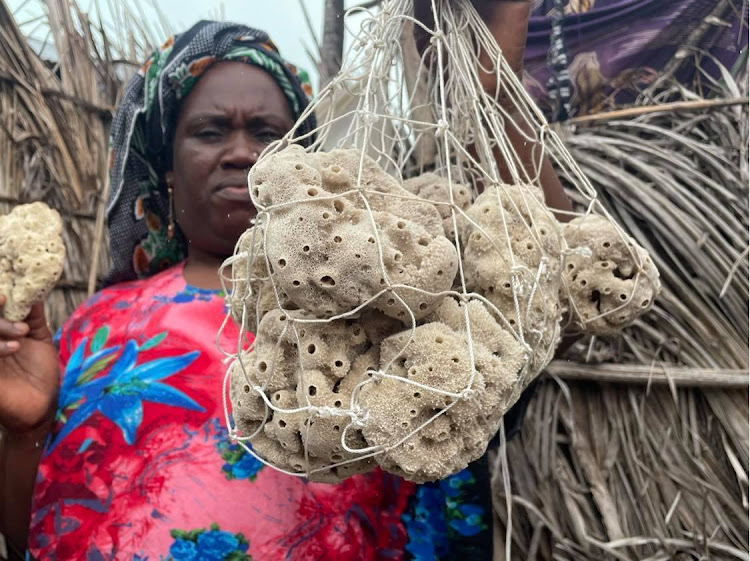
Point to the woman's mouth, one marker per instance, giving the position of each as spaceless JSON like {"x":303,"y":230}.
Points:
{"x":238,"y":193}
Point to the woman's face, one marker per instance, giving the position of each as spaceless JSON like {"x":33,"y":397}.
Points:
{"x":233,"y":112}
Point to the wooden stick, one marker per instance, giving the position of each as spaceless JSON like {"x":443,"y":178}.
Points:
{"x":657,"y":374}
{"x":674,"y":106}
{"x":101,"y":220}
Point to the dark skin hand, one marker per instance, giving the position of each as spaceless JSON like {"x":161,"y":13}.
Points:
{"x":29,"y":381}
{"x":508,"y":22}
{"x":229,"y":117}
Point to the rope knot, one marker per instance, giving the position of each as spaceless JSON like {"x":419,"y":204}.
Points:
{"x":468,"y":393}
{"x":359,"y":418}
{"x":437,"y":36}
{"x":442,"y":127}
{"x":324,"y":412}
{"x":583,"y":251}
{"x":367,"y":117}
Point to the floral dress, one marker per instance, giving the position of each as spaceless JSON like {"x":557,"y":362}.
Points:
{"x":139,"y":467}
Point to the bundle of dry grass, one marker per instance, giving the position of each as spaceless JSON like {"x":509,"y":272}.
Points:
{"x":657,"y":468}
{"x":54,"y":120}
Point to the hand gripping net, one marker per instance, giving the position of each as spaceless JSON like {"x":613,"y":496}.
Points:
{"x":403,"y":289}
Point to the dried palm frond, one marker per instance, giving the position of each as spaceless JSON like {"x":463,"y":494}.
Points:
{"x":678,"y":183}
{"x":635,"y":471}
{"x":54,"y":122}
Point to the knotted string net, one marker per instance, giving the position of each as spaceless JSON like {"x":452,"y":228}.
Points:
{"x":404,"y":278}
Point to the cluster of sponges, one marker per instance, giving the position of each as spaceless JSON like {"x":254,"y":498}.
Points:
{"x":366,"y":351}
{"x":32,"y":255}
{"x":316,"y":397}
{"x":610,"y":279}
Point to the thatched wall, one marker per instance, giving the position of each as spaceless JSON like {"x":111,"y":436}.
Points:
{"x":54,"y":120}
{"x":637,"y":447}
{"x":655,"y":468}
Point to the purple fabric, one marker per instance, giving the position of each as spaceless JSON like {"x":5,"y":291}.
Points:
{"x":617,"y":47}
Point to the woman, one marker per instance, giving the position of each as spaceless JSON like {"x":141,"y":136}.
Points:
{"x":131,"y":456}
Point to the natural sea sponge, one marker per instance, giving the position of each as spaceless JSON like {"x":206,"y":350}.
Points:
{"x":428,"y":435}
{"x":317,"y":365}
{"x":611,"y":280}
{"x":435,"y":188}
{"x":253,"y":293}
{"x":333,"y":247}
{"x":512,"y":249}
{"x":31,"y":257}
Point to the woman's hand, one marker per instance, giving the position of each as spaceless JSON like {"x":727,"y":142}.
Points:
{"x":507,"y":20}
{"x":28,"y":372}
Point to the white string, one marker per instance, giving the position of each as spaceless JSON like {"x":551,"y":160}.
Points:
{"x":468,"y":128}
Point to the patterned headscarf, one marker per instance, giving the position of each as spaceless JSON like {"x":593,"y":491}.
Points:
{"x":142,"y":132}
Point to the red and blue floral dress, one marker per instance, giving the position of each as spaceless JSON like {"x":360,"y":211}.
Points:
{"x":139,"y":467}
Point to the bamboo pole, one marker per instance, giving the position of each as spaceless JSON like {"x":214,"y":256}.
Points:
{"x":98,"y":236}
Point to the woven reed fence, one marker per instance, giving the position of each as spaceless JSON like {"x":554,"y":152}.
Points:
{"x":633,"y":448}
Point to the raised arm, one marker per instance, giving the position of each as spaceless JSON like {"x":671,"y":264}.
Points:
{"x":28,"y":378}
{"x":508,"y":22}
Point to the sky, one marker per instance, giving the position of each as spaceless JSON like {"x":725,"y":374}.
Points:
{"x":282,"y":19}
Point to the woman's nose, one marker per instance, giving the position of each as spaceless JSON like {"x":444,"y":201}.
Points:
{"x":242,"y":152}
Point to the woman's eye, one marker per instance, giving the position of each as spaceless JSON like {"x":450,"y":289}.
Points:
{"x":207,"y":133}
{"x":268,"y":136}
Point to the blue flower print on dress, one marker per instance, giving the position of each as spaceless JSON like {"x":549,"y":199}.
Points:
{"x":441,"y":514}
{"x":190,"y":294}
{"x":119,"y":393}
{"x":468,"y":520}
{"x":427,"y":528}
{"x":239,"y":464}
{"x":183,"y":550}
{"x":211,"y":544}
{"x":463,"y":517}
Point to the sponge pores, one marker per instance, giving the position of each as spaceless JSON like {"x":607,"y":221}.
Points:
{"x":426,"y":434}
{"x":307,"y":364}
{"x":610,"y":279}
{"x":31,"y":257}
{"x":340,"y":231}
{"x":253,"y":292}
{"x":448,"y":198}
{"x":511,"y":250}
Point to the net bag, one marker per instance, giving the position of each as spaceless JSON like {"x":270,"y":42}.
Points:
{"x":404,"y":288}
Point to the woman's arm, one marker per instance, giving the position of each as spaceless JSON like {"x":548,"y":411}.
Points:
{"x":508,"y":22}
{"x":19,"y":458}
{"x":28,"y":400}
